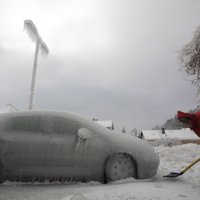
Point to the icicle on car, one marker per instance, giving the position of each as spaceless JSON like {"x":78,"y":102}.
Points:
{"x":61,"y":146}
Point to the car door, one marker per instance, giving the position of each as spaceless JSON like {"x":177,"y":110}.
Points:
{"x":62,"y":138}
{"x":92,"y":149}
{"x":24,"y":146}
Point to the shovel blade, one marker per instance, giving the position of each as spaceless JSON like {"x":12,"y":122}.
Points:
{"x":173,"y":174}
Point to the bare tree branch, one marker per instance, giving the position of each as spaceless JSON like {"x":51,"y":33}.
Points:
{"x":190,"y":59}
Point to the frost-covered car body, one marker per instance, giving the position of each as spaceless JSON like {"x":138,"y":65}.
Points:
{"x":59,"y":145}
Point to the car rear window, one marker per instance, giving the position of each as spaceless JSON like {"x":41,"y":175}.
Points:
{"x":26,"y":123}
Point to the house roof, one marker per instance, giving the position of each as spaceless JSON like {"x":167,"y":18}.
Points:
{"x":181,"y":134}
{"x":152,"y":134}
{"x":107,"y":124}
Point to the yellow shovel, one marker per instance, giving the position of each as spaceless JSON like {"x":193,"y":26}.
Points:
{"x":176,"y":174}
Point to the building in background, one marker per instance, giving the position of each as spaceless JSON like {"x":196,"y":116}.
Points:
{"x":106,"y":123}
{"x":182,"y":136}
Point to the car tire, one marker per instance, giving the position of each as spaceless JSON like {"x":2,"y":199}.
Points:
{"x":120,"y":166}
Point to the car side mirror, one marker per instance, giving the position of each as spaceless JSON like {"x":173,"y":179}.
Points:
{"x":84,"y":134}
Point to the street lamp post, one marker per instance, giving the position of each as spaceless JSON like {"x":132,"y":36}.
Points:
{"x":31,"y":29}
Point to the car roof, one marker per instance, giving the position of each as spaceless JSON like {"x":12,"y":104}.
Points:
{"x":55,"y":113}
{"x":40,"y":112}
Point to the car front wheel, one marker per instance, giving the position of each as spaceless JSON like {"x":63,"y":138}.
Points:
{"x":120,"y":166}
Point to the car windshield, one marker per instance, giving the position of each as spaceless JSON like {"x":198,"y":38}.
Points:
{"x":63,"y":125}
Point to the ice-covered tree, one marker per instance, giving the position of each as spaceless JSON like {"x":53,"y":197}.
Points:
{"x":190,"y":59}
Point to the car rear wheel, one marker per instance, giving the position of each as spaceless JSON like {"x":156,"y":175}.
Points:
{"x":120,"y":166}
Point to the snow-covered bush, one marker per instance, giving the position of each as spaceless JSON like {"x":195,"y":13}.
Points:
{"x":166,"y":142}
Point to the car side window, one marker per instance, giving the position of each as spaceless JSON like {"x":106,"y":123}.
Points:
{"x":63,"y":125}
{"x":26,"y":123}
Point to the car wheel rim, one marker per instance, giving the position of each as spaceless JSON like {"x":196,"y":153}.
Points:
{"x":120,"y":167}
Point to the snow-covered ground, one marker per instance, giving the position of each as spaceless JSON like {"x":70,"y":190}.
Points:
{"x":173,"y":158}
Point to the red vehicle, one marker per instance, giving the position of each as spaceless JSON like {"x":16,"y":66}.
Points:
{"x":192,"y":120}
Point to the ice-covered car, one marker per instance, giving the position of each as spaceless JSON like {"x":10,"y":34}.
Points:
{"x":52,"y":145}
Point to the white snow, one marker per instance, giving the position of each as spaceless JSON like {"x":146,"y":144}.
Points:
{"x":173,"y":158}
{"x":182,"y":134}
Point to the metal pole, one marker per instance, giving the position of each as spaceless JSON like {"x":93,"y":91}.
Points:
{"x":34,"y":76}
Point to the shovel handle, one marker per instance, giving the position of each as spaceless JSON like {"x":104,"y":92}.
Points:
{"x":189,"y":166}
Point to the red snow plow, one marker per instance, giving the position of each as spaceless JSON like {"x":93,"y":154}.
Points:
{"x":191,"y":120}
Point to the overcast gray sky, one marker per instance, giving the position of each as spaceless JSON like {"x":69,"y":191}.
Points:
{"x":110,"y":59}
